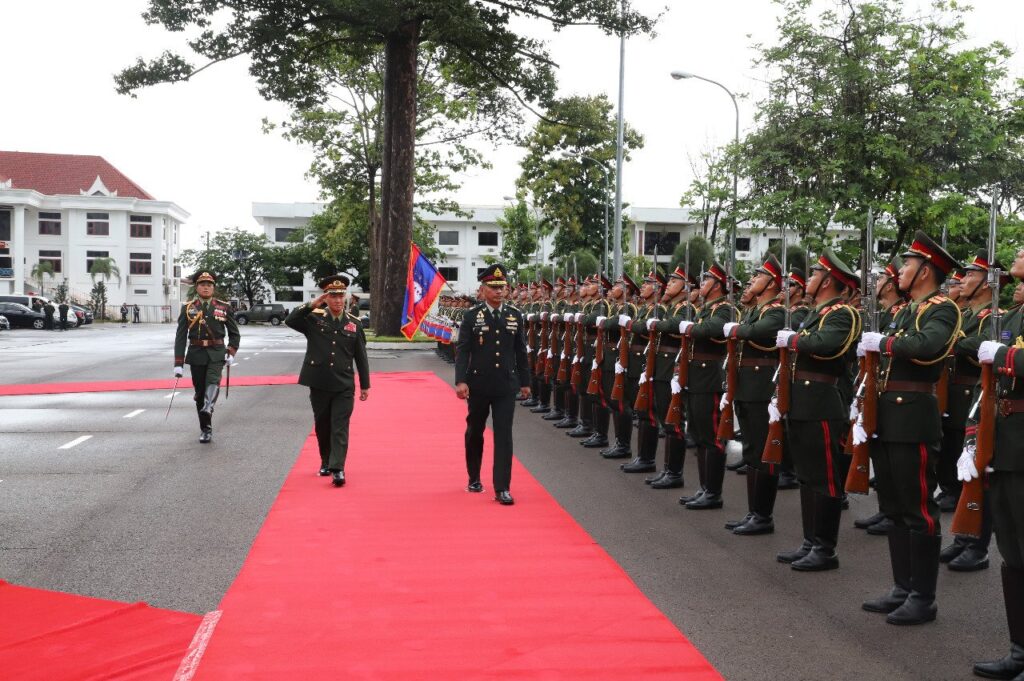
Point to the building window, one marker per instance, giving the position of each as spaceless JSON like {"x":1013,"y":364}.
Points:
{"x":480,"y":271}
{"x":97,"y":224}
{"x":140,"y":263}
{"x":177,"y":271}
{"x":289,"y":296}
{"x":293,"y":277}
{"x":449,"y":273}
{"x":284,"y":233}
{"x":743,"y":243}
{"x":140,"y":227}
{"x":665,"y":242}
{"x":487,"y":238}
{"x":140,"y":292}
{"x":52,"y":257}
{"x":49,"y":224}
{"x":92,"y":256}
{"x":448,"y":238}
{"x":885,"y":245}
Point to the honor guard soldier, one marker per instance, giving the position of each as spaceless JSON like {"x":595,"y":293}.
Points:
{"x":601,"y":310}
{"x":758,"y":359}
{"x":589,"y":296}
{"x":818,"y":418}
{"x":640,"y":342}
{"x":532,"y":315}
{"x":541,"y":389}
{"x":798,"y":310}
{"x":621,"y":410}
{"x":563,"y":388}
{"x":909,"y":430}
{"x":204,"y":323}
{"x":556,"y":336}
{"x":490,"y":367}
{"x":334,"y":340}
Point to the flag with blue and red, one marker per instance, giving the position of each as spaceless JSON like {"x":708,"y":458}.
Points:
{"x":422,"y":286}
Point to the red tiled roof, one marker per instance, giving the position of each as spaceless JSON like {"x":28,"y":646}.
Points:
{"x":64,"y":174}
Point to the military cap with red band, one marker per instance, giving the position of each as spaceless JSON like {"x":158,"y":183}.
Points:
{"x":631,"y":285}
{"x":796,"y":276}
{"x":831,"y":263}
{"x":925,"y":247}
{"x":772,"y":268}
{"x":493,"y":276}
{"x":680,"y":273}
{"x":605,"y":284}
{"x":655,"y":277}
{"x":980,"y":264}
{"x":337,"y":283}
{"x":892,"y":270}
{"x":716,"y":271}
{"x":958,"y":275}
{"x":547,"y":284}
{"x":202,"y":276}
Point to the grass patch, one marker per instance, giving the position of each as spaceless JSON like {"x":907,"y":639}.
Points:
{"x":418,"y":338}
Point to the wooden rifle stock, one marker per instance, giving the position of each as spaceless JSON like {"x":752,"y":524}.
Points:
{"x":642,"y":403}
{"x":551,"y":363}
{"x":726,"y":429}
{"x":675,"y":407}
{"x":942,"y":387}
{"x":563,"y":365}
{"x":860,"y":465}
{"x":595,"y":374}
{"x":619,"y":385}
{"x":576,"y":377}
{"x":542,"y":351}
{"x":967,"y":519}
{"x":776,"y":432}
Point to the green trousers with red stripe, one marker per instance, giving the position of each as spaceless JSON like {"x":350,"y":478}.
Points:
{"x":905,"y":476}
{"x":818,"y":457}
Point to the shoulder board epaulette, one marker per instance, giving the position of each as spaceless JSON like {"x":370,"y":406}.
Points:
{"x":772,"y":304}
{"x":935,"y":300}
{"x":320,"y":310}
{"x":513,"y":308}
{"x":987,"y":311}
{"x":896,"y":307}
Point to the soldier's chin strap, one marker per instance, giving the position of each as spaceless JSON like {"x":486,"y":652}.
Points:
{"x":977,"y":288}
{"x":821,"y":282}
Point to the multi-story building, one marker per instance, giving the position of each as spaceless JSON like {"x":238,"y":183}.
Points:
{"x":70,"y":210}
{"x":279,"y":221}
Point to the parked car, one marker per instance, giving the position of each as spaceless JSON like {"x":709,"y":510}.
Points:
{"x":4,"y":324}
{"x":84,"y":314}
{"x":20,"y":315}
{"x":27,"y":301}
{"x":264,"y":312}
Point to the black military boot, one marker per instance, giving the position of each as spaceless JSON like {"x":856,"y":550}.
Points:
{"x":701,"y":478}
{"x":733,"y":524}
{"x":581,"y":430}
{"x":971,"y":559}
{"x":881,"y":528}
{"x":899,"y":559}
{"x":822,"y":556}
{"x":571,"y":407}
{"x":953,"y":550}
{"x":599,"y":438}
{"x":807,"y":523}
{"x":1011,"y":666}
{"x":620,"y":450}
{"x":787,"y":480}
{"x":865,"y":523}
{"x":623,"y":423}
{"x":675,"y":455}
{"x":714,"y":463}
{"x":647,"y":450}
{"x":206,"y":428}
{"x":210,"y":398}
{"x":765,"y":491}
{"x":924,"y":573}
{"x":544,"y":406}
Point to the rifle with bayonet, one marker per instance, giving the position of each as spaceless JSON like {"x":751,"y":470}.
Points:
{"x":674,"y":417}
{"x":858,"y":478}
{"x":642,"y":403}
{"x":594,"y":388}
{"x":773,"y":444}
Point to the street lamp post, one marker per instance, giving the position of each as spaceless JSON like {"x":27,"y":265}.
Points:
{"x":619,"y":149}
{"x":607,"y":193}
{"x":684,"y":75}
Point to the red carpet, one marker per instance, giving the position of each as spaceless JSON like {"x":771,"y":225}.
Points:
{"x":403,"y":575}
{"x":150,"y":384}
{"x":52,"y":636}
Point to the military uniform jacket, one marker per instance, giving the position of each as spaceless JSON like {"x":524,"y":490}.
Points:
{"x":640,"y":336}
{"x":914,"y":350}
{"x":1009,"y":446}
{"x":669,"y":340}
{"x":966,"y":370}
{"x":331,"y":347}
{"x":758,"y":355}
{"x":599,"y":308}
{"x":824,"y":337}
{"x":613,"y":332}
{"x":490,"y":356}
{"x":581,"y":327}
{"x":797,"y":314}
{"x":707,"y":347}
{"x":200,"y":323}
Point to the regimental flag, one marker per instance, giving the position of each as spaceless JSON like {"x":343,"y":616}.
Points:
{"x":422,"y":286}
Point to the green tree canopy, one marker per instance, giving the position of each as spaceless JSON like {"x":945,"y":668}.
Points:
{"x":247,"y":265}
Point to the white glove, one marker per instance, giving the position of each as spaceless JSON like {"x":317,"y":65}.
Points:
{"x":727,"y":329}
{"x":643,"y":378}
{"x":860,"y":436}
{"x":543,"y":315}
{"x":860,"y":349}
{"x":871,"y":340}
{"x":965,"y":468}
{"x":579,"y":316}
{"x":230,"y":359}
{"x":530,"y":317}
{"x":551,"y":355}
{"x":651,"y":322}
{"x":987,"y":351}
{"x":529,"y":349}
{"x":555,"y":317}
{"x":782,"y":338}
{"x":676,"y":387}
{"x":854,"y":411}
{"x":619,"y":369}
{"x":774,"y":415}
{"x":178,"y":372}
{"x":565,"y":356}
{"x":593,"y":365}
{"x":624,"y":319}
{"x":600,"y":320}
{"x":684,"y":325}
{"x":576,"y":359}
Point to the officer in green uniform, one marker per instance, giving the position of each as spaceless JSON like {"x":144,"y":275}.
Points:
{"x":909,"y":432}
{"x":531,"y":311}
{"x":554,"y":354}
{"x":601,"y":310}
{"x":639,"y":338}
{"x":490,"y":367}
{"x":1005,"y":494}
{"x":567,"y":324}
{"x":817,"y":419}
{"x":621,"y":410}
{"x":798,"y":310}
{"x":704,"y":386}
{"x":758,"y":361}
{"x":203,"y":323}
{"x":334,"y":339}
{"x":541,"y":389}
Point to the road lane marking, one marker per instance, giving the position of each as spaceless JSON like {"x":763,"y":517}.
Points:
{"x":133,"y":414}
{"x":167,"y":397}
{"x":75,"y":442}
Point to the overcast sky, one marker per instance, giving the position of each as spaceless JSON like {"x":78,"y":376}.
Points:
{"x":200,"y":143}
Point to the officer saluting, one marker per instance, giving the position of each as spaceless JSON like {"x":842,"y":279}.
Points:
{"x":204,"y":322}
{"x":334,"y":339}
{"x":490,"y":365}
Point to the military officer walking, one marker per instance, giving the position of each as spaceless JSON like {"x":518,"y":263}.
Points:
{"x":203,"y":323}
{"x":334,"y":339}
{"x":490,"y":366}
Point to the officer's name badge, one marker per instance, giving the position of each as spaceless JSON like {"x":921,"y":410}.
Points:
{"x":1005,"y":335}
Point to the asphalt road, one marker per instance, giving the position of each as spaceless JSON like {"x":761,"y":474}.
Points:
{"x":141,"y":511}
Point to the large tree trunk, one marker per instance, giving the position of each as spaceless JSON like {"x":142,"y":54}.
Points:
{"x":391,"y":256}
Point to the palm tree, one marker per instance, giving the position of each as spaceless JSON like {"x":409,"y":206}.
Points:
{"x":40,"y":271}
{"x":106,"y":268}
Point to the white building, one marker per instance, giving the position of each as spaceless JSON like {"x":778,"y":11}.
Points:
{"x":279,"y":221}
{"x":70,"y":210}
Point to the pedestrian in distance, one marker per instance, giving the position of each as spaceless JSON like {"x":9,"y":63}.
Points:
{"x":124,"y":314}
{"x":334,"y":340}
{"x":136,"y":313}
{"x":49,"y":311}
{"x":63,"y":310}
{"x":490,"y":367}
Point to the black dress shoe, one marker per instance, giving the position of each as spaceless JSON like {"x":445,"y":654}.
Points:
{"x":881,"y":528}
{"x":504,"y":498}
{"x":706,"y":502}
{"x":580,"y":431}
{"x":206,"y":437}
{"x":733,"y":524}
{"x":1009,"y":667}
{"x":567,"y":422}
{"x":638,"y":465}
{"x":947,"y":503}
{"x":684,"y":500}
{"x":595,"y":441}
{"x":619,"y":451}
{"x":816,"y":560}
{"x":887,"y":603}
{"x":540,"y":409}
{"x":735,"y":466}
{"x":793,"y":556}
{"x":554,"y":415}
{"x":474,"y":486}
{"x":651,"y":479}
{"x":915,"y":610}
{"x":952,"y":551}
{"x":324,"y":472}
{"x":338,"y":478}
{"x":865,"y":523}
{"x":788,"y":481}
{"x":529,"y":402}
{"x":970,"y":559}
{"x":668,"y":481}
{"x":756,"y":525}
{"x":845,"y":505}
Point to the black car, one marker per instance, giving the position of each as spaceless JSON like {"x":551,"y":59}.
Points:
{"x":4,"y":324}
{"x":19,"y":315}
